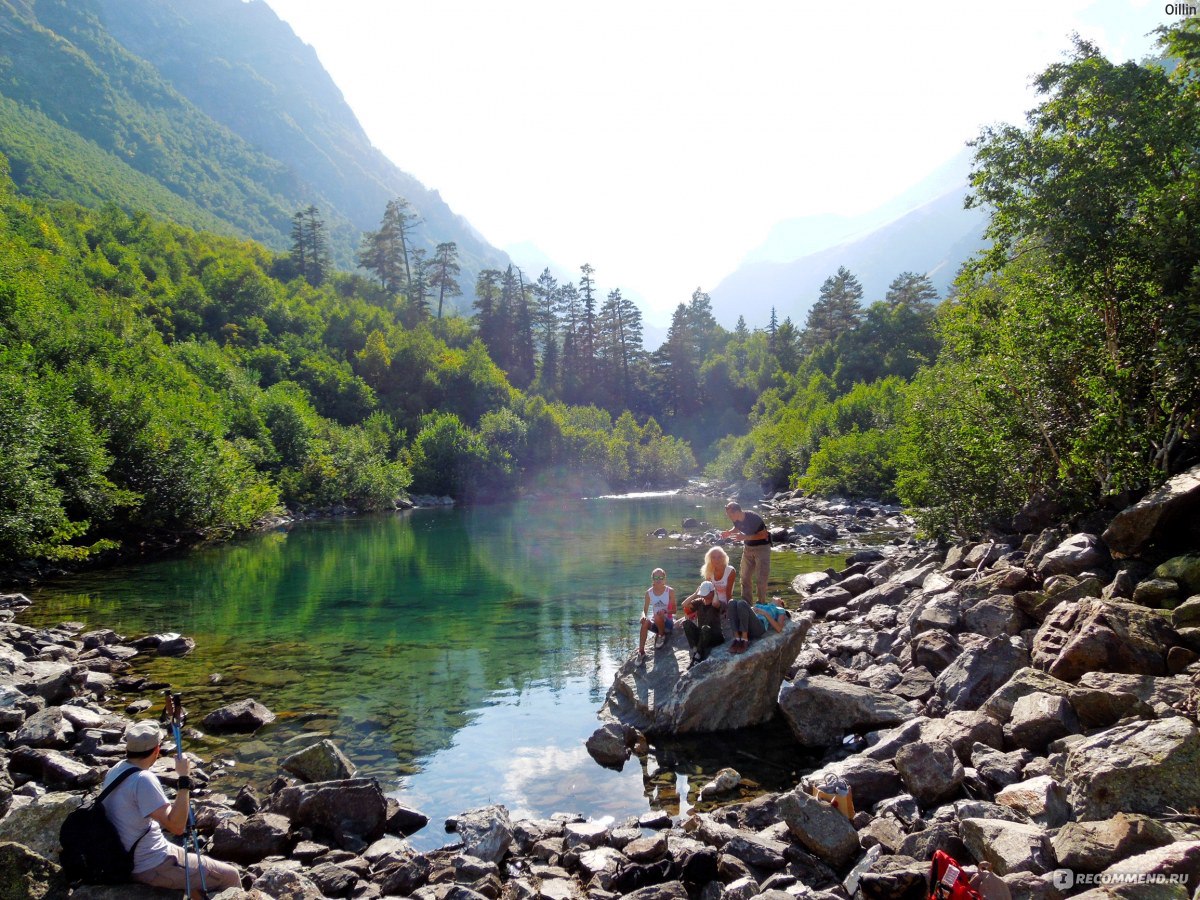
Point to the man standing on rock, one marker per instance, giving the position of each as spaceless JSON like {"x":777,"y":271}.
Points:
{"x":139,"y":810}
{"x":751,"y":530}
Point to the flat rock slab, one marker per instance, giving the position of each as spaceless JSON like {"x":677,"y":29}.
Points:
{"x":726,"y":691}
{"x":1144,"y":767}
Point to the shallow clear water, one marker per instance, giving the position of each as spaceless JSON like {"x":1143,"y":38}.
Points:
{"x":460,"y":655}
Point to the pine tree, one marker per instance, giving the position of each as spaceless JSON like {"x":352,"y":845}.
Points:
{"x":912,"y":290}
{"x":702,"y":325}
{"x":547,"y":380}
{"x":444,"y":272}
{"x":786,"y":346}
{"x":546,"y":295}
{"x":310,"y":246}
{"x":418,"y":286}
{"x":521,"y":354}
{"x":620,"y":345}
{"x":838,"y":310}
{"x":399,"y":220}
{"x":488,"y":317}
{"x":586,"y":341}
{"x":676,"y":368}
{"x":570,"y":368}
{"x":386,"y":252}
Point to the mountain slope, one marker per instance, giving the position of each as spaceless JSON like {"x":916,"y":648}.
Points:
{"x":935,"y":238}
{"x":220,"y":103}
{"x":923,"y":229}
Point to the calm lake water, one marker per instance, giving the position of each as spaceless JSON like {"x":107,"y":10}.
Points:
{"x":459,"y":655}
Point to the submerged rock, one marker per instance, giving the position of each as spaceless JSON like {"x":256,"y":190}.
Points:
{"x":322,"y":761}
{"x":243,"y":717}
{"x":726,"y":691}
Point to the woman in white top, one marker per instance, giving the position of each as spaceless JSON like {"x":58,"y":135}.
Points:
{"x":737,"y":611}
{"x":717,"y":569}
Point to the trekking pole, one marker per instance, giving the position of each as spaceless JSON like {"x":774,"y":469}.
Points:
{"x":175,"y":713}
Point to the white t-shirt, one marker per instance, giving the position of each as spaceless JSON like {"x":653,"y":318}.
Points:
{"x":659,"y":602}
{"x":722,"y":586}
{"x":129,"y":808}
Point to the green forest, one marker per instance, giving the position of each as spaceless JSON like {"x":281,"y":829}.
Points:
{"x":156,"y":379}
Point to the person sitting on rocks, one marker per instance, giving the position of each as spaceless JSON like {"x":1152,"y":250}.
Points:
{"x":702,"y":624}
{"x":717,"y":569}
{"x":772,"y":615}
{"x":139,"y":810}
{"x":658,"y":613}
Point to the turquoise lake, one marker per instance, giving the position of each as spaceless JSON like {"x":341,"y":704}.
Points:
{"x":459,"y":655}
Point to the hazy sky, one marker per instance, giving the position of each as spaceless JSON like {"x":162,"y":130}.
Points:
{"x":660,"y":140}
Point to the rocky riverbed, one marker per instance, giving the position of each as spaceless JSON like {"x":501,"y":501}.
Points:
{"x":1028,"y":702}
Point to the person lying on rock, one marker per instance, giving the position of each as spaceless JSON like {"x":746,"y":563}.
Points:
{"x":658,"y":613}
{"x":772,"y":615}
{"x":139,"y":810}
{"x":744,"y":625}
{"x":702,"y":624}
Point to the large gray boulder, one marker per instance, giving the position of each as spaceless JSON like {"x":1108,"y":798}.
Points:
{"x":485,"y":832}
{"x":726,"y":691}
{"x":1098,"y":635}
{"x":1040,"y":799}
{"x":1165,"y":511}
{"x":26,"y":875}
{"x":47,"y":728}
{"x":54,"y":682}
{"x":1097,"y":704}
{"x":1144,"y":767}
{"x":931,"y":771}
{"x":820,"y":828}
{"x":1094,"y":846}
{"x":1038,"y":719}
{"x":1008,"y":846}
{"x":250,"y":840}
{"x":870,"y":780}
{"x":1076,"y":554}
{"x":345,"y":810}
{"x":978,"y":672}
{"x":36,"y":823}
{"x":820,"y":710}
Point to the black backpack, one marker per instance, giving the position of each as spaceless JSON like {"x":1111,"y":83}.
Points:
{"x":92,"y":851}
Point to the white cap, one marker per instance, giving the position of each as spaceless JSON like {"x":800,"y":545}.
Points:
{"x":706,"y":588}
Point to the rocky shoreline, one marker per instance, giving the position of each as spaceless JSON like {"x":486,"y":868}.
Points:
{"x":1028,"y":702}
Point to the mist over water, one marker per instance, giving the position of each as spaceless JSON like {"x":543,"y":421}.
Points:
{"x":459,"y":655}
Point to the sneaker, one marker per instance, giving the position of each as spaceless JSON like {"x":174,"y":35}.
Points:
{"x":693,"y":659}
{"x":660,"y":641}
{"x":641,"y":660}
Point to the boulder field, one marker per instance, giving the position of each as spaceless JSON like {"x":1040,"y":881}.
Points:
{"x":1029,"y":702}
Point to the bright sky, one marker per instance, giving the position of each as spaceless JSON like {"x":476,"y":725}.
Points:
{"x":660,"y":140}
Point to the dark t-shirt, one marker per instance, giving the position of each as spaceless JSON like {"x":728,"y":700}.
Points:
{"x":752,"y":523}
{"x":705,"y":613}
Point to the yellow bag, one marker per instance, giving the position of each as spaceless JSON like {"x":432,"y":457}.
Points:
{"x":836,"y":792}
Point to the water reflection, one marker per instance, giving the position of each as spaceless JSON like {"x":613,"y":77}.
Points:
{"x":459,"y":655}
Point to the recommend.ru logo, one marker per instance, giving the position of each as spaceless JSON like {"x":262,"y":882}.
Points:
{"x":1065,"y":879}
